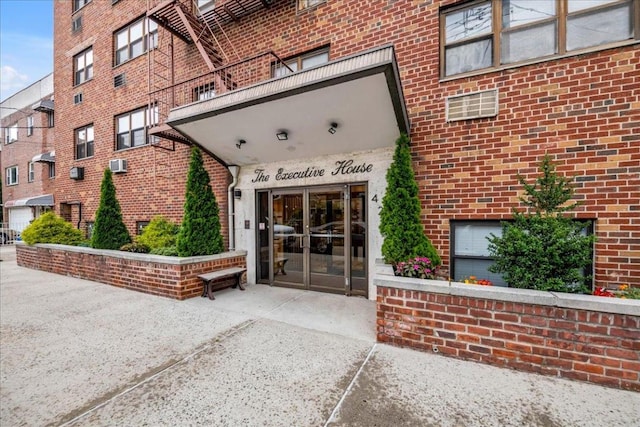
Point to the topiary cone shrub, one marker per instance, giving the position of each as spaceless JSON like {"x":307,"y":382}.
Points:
{"x":109,"y":231}
{"x":545,"y":249}
{"x":400,"y":224}
{"x":51,"y":228}
{"x":200,"y":230}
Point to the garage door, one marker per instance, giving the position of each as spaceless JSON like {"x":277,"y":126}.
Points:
{"x":19,"y":218}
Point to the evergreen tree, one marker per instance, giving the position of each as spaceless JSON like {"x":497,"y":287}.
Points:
{"x":400,"y":223}
{"x":200,"y":230}
{"x":545,"y":249}
{"x":109,"y":231}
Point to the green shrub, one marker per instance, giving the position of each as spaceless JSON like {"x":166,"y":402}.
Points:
{"x":109,"y":232}
{"x":400,"y":223}
{"x":546,"y":249}
{"x":168,"y":251}
{"x":136,"y":247}
{"x":200,"y":230}
{"x":160,"y":233}
{"x":50,"y":228}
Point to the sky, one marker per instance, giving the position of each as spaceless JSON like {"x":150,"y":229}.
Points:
{"x":26,"y":43}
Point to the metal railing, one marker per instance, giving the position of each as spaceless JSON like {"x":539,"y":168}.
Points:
{"x":225,"y":79}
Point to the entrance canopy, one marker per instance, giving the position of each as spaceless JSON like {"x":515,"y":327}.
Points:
{"x":347,"y":105}
{"x":44,"y":200}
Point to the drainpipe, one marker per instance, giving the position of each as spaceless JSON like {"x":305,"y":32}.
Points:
{"x":233,"y":169}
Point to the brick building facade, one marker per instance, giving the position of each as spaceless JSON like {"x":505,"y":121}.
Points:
{"x":27,"y":158}
{"x":298,"y":104}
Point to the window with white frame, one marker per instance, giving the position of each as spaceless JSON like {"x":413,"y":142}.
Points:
{"x":31,"y":175}
{"x":84,"y":142}
{"x":50,"y":119}
{"x":301,"y":62}
{"x":83,"y":67}
{"x":131,"y":128}
{"x":11,"y":134}
{"x":135,"y":39}
{"x":52,"y":170}
{"x":79,"y":4}
{"x":29,"y":125}
{"x":11,"y":175}
{"x":492,"y":33}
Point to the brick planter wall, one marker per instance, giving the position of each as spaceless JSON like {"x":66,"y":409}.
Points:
{"x":581,"y":337}
{"x":152,"y":274}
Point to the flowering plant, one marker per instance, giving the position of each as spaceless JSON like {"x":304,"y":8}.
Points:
{"x":420,"y":267}
{"x":626,"y":291}
{"x":603,"y":292}
{"x":472,"y":280}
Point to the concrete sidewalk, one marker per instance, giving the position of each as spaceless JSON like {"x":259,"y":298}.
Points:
{"x":74,"y":352}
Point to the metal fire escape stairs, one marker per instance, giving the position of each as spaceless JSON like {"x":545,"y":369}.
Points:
{"x":183,"y":19}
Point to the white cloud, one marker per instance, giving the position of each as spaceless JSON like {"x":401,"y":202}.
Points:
{"x":11,"y":79}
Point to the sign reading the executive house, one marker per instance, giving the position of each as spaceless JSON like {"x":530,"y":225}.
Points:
{"x":342,"y":167}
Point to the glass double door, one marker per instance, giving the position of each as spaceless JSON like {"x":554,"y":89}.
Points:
{"x":313,"y":238}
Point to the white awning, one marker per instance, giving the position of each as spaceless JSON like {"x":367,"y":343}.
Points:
{"x":347,"y":105}
{"x":44,"y":105}
{"x":44,"y":200}
{"x":49,"y":157}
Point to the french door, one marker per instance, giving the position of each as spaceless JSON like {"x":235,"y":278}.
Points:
{"x":313,"y":238}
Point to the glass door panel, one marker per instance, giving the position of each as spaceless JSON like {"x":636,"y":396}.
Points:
{"x":288,"y":239}
{"x":358,"y":226}
{"x":326,"y":213}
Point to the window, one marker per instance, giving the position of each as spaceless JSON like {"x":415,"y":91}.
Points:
{"x":11,"y":175}
{"x":131,"y":128}
{"x":135,"y":39}
{"x":140,"y":225}
{"x":29,"y":125}
{"x":302,"y":62}
{"x":304,"y":4}
{"x":79,"y":4}
{"x":205,"y":5}
{"x":84,"y":142}
{"x":470,"y":249}
{"x":83,"y":66}
{"x":52,"y":170}
{"x":470,"y":253}
{"x":31,"y":176}
{"x":492,"y":33}
{"x":76,"y":24}
{"x":206,"y":91}
{"x":50,"y":119}
{"x":11,"y":134}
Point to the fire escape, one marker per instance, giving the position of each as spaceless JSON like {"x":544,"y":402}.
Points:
{"x":184,"y":20}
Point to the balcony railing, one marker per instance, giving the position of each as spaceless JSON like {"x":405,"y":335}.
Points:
{"x":225,"y":79}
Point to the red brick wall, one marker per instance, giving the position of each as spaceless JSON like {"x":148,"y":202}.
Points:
{"x":156,"y":178}
{"x":584,"y":110}
{"x":22,"y":151}
{"x":586,"y":345}
{"x":178,"y":281}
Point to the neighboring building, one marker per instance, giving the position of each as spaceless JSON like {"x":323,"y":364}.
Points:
{"x":28,"y":156}
{"x":298,"y":103}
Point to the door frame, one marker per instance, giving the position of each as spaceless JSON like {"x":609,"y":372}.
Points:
{"x":305,"y":191}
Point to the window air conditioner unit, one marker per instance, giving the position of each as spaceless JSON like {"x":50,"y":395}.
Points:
{"x":118,"y":165}
{"x":76,"y":173}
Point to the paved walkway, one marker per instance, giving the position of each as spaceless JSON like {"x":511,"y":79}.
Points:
{"x":79,"y":353}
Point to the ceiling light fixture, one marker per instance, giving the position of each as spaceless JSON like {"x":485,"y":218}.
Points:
{"x":333,"y":128}
{"x":240,"y":143}
{"x":282,"y":135}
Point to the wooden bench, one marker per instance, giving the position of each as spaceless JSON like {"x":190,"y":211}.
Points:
{"x":278,"y":265}
{"x":209,"y":279}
